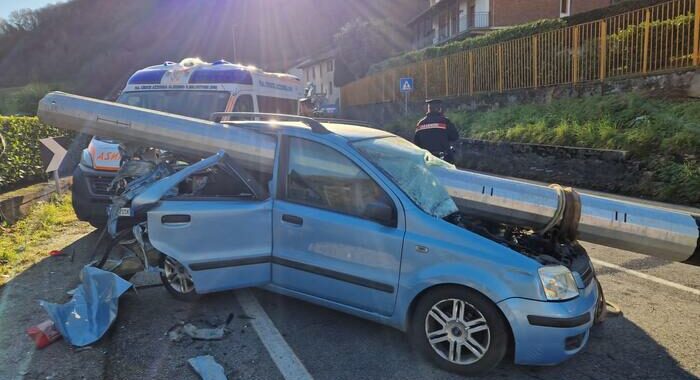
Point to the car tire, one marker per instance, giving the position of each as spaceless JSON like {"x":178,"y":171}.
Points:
{"x":481,"y":335}
{"x":177,"y":280}
{"x":98,"y":223}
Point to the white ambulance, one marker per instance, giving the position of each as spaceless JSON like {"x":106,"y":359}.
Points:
{"x":191,"y":88}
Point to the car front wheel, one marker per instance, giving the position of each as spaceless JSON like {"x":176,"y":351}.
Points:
{"x":177,"y":279}
{"x":460,"y":330}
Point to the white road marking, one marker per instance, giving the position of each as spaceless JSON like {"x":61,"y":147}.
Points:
{"x":647,"y":277}
{"x":284,"y":357}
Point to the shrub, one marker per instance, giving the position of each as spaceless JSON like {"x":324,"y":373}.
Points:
{"x":20,"y":163}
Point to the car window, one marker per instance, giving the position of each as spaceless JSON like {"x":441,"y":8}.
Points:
{"x":319,"y":176}
{"x":244,"y":103}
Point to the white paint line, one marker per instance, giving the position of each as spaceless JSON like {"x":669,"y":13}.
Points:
{"x":284,"y":357}
{"x":647,"y":277}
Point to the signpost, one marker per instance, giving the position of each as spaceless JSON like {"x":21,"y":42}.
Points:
{"x":406,"y":86}
{"x":53,"y":150}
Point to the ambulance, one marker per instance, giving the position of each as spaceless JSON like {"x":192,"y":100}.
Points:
{"x":191,"y":88}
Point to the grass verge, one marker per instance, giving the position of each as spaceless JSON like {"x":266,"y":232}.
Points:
{"x":48,"y":226}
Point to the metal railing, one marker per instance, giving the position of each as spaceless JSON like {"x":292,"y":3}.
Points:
{"x":659,"y":38}
{"x":479,"y":20}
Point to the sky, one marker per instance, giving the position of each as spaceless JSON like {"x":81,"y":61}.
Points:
{"x":7,"y":6}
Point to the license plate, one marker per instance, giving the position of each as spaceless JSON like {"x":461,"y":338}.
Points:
{"x":124,"y":211}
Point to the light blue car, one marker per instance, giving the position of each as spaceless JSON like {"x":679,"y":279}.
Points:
{"x":352,"y":218}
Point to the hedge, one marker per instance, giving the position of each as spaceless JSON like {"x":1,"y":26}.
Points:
{"x":20,"y":163}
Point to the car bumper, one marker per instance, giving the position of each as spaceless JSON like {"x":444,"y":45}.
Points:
{"x":90,"y":196}
{"x":547,"y":333}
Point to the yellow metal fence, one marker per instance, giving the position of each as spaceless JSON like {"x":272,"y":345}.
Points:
{"x":654,"y":39}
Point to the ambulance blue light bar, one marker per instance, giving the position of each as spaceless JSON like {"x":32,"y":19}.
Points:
{"x":221,"y":76}
{"x":147,"y":77}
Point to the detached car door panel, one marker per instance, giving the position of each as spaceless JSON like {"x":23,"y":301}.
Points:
{"x":327,"y":243}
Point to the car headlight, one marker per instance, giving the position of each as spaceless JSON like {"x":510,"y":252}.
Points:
{"x":86,"y":159}
{"x":558,"y":282}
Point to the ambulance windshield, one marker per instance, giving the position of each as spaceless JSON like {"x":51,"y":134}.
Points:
{"x":197,"y":104}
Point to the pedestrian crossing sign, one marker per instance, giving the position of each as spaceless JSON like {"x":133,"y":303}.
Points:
{"x":406,"y":84}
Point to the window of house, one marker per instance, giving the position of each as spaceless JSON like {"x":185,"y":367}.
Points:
{"x":330,"y":88}
{"x":269,"y":104}
{"x":313,"y":72}
{"x":329,"y":65}
{"x":454,"y":19}
{"x":244,"y":103}
{"x":564,"y":7}
{"x":321,"y":177}
{"x":443,"y":25}
{"x":322,"y":88}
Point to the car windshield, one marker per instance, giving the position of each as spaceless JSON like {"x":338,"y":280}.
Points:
{"x":409,"y":167}
{"x":198,"y":104}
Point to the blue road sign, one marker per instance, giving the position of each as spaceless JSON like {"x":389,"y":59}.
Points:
{"x":406,"y":84}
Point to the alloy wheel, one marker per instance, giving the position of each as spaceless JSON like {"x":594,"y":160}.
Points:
{"x":177,"y":276}
{"x":457,"y":331}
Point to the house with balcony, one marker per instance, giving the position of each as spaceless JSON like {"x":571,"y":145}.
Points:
{"x":446,"y":20}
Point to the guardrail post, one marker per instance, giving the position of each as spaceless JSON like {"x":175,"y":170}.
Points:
{"x":535,"y":62}
{"x":696,"y":34}
{"x":575,"y":53}
{"x":447,"y":87}
{"x":647,"y":34}
{"x":603,"y":56}
{"x":500,"y":67}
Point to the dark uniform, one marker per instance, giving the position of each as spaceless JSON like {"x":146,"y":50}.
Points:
{"x":435,"y":132}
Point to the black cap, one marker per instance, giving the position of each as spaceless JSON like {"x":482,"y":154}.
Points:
{"x":433,"y":102}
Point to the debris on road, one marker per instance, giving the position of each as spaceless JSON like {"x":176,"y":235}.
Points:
{"x":55,"y":252}
{"x":44,"y":333}
{"x":207,"y":368}
{"x":197,"y":333}
{"x":93,"y":308}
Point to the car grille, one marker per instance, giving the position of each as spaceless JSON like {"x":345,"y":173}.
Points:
{"x":99,"y":185}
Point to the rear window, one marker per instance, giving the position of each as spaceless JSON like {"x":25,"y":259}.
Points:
{"x":198,"y":104}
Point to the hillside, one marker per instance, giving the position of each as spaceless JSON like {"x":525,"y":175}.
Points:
{"x":92,"y":46}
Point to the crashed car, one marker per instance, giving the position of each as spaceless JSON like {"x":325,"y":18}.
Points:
{"x":354,"y":219}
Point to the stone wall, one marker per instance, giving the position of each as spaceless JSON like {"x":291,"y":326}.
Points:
{"x":595,"y":169}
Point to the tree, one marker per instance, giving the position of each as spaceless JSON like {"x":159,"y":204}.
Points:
{"x":362,"y":42}
{"x":23,"y":19}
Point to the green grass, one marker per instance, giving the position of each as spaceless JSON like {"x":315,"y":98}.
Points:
{"x":25,"y":242}
{"x":663,"y":134}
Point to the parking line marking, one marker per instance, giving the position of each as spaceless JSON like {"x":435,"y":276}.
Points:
{"x":647,"y":276}
{"x":284,"y":357}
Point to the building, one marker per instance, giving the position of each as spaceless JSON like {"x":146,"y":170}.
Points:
{"x":445,"y":20}
{"x":319,"y":71}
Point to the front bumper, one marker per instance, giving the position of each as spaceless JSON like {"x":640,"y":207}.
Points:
{"x":547,"y":333}
{"x":90,"y":195}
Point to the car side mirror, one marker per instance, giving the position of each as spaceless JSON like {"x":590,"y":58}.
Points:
{"x":381,"y":213}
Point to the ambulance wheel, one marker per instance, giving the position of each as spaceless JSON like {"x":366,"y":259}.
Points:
{"x":177,"y":279}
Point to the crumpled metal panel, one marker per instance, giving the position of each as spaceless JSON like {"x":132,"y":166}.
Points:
{"x":87,"y":316}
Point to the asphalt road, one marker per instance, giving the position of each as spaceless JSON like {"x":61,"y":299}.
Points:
{"x":656,"y":337}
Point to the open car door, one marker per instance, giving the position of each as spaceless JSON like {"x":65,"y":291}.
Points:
{"x":216,"y":223}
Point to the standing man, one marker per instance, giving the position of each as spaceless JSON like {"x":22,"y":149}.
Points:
{"x":435,"y":133}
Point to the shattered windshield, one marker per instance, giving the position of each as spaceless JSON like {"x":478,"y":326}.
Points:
{"x":409,"y":167}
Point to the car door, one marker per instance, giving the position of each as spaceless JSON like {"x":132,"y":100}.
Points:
{"x":338,"y":234}
{"x":222,"y":235}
